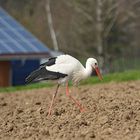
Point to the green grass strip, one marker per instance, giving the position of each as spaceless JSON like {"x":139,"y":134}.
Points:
{"x":26,"y":87}
{"x":116,"y":77}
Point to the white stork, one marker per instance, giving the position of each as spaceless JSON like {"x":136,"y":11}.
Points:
{"x":62,"y":69}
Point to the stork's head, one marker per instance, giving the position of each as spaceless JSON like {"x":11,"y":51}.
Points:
{"x":94,"y":64}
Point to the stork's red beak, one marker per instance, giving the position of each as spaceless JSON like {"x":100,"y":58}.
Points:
{"x":98,"y":73}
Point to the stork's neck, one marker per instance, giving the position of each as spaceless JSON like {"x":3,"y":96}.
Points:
{"x":88,"y":70}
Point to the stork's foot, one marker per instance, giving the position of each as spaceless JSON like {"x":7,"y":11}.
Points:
{"x":49,"y":114}
{"x":82,"y":110}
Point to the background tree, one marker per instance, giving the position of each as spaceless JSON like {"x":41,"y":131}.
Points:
{"x":106,"y":29}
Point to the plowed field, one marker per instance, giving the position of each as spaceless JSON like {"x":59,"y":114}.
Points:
{"x":112,"y":112}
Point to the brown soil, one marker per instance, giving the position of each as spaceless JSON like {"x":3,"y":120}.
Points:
{"x":112,"y":113}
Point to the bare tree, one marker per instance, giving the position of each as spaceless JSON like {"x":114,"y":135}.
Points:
{"x":97,"y":26}
{"x":51,"y":27}
{"x":99,"y":30}
{"x":102,"y":14}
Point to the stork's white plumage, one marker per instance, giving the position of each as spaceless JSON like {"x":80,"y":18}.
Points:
{"x":62,"y":69}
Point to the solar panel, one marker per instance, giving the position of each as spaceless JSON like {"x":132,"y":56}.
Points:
{"x":14,"y":38}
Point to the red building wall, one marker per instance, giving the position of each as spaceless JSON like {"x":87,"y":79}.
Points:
{"x":4,"y":73}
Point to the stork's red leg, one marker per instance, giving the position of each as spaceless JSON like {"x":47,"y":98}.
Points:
{"x":54,"y":95}
{"x":75,"y":101}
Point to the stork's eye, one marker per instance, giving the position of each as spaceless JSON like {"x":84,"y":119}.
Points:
{"x":95,"y":64}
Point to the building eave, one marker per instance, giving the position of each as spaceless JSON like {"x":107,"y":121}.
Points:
{"x":24,"y":56}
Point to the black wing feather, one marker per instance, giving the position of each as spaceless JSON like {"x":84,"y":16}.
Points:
{"x":43,"y":74}
{"x":50,"y":62}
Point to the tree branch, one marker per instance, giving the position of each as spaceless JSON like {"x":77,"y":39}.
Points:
{"x":114,"y":17}
{"x":80,"y":10}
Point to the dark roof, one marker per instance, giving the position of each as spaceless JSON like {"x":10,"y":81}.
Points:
{"x":16,"y":41}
